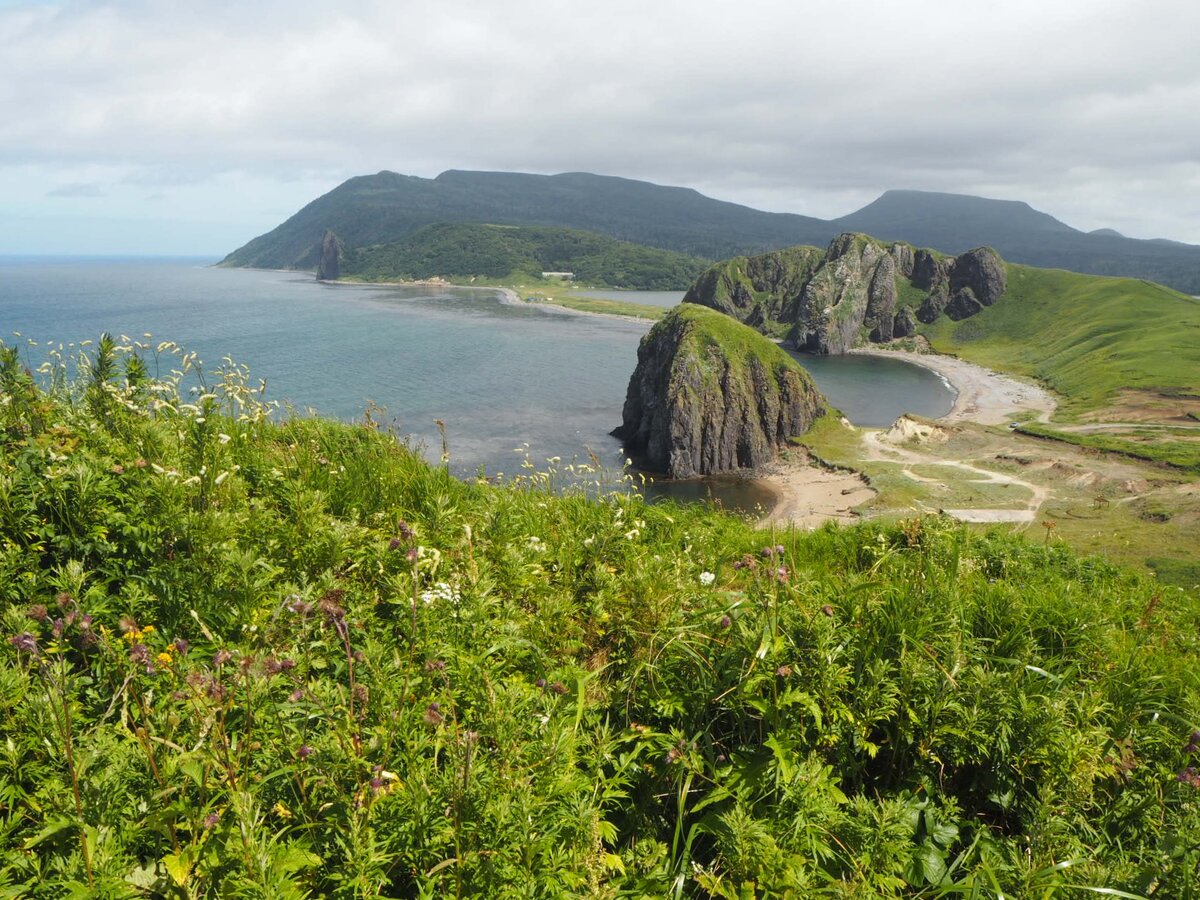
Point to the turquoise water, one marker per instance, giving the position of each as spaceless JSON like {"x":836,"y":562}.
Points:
{"x":501,"y":376}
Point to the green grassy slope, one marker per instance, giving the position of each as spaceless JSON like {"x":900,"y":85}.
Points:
{"x":256,"y":658}
{"x":1085,"y":336}
{"x":508,"y":251}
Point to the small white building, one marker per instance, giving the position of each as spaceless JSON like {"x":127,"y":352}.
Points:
{"x":567,"y":276}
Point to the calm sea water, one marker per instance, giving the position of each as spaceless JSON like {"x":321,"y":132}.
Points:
{"x":499,"y":376}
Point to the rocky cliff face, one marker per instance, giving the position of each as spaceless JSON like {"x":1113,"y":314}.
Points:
{"x":710,"y":395}
{"x":329,"y":267}
{"x":857,"y":291}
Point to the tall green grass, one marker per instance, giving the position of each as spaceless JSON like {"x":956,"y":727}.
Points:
{"x":248,"y":656}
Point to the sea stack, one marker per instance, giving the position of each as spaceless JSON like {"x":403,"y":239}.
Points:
{"x":329,"y":268}
{"x":710,"y":395}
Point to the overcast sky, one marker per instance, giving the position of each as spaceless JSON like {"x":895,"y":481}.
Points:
{"x":157,"y":126}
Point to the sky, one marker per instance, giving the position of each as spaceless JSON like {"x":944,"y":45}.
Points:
{"x":169,"y":127}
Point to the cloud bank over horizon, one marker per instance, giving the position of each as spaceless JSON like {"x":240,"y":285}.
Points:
{"x":168,"y":128}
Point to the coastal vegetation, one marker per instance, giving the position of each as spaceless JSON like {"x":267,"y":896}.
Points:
{"x":254,"y":655}
{"x":509,"y":253}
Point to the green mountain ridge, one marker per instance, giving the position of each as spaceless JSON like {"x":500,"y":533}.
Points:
{"x":385,"y":207}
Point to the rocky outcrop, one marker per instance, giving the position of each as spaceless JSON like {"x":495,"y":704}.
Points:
{"x":757,"y":290}
{"x":710,"y":395}
{"x":329,"y":266}
{"x":858,"y":291}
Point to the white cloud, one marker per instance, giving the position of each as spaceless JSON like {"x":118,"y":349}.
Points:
{"x":1082,"y":109}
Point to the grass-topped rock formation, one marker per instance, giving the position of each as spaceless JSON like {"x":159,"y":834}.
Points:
{"x":858,"y":290}
{"x":710,"y":395}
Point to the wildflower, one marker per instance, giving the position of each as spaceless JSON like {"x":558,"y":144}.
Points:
{"x":782,"y":573}
{"x":63,"y":599}
{"x":784,"y":671}
{"x":163,"y":660}
{"x":281,"y":810}
{"x":674,"y":755}
{"x":360,"y":694}
{"x":330,"y":604}
{"x":435,"y":665}
{"x":272,"y":667}
{"x":57,"y":628}
{"x":768,"y":552}
{"x":299,"y":607}
{"x":25,"y":642}
{"x":541,"y":682}
{"x":433,"y":714}
{"x":211,"y":820}
{"x":559,"y":688}
{"x":221,"y":657}
{"x":287,"y":664}
{"x":707,"y":578}
{"x":726,"y":621}
{"x":412,"y":555}
{"x":1189,"y":776}
{"x":181,"y":645}
{"x":37,"y":612}
{"x":296,"y":696}
{"x":827,"y":610}
{"x":304,"y":751}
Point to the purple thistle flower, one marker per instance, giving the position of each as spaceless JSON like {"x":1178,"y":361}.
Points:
{"x":726,"y":621}
{"x":297,"y":695}
{"x":85,"y":623}
{"x":541,"y":682}
{"x":221,"y":657}
{"x":559,"y":688}
{"x":181,"y":645}
{"x":412,"y":555}
{"x":433,"y":714}
{"x":779,"y":550}
{"x":37,"y":612}
{"x":304,"y":751}
{"x":435,"y":665}
{"x":63,"y":599}
{"x":211,"y":820}
{"x":139,"y":652}
{"x":57,"y":628}
{"x":287,"y":664}
{"x":25,"y":642}
{"x":768,"y":552}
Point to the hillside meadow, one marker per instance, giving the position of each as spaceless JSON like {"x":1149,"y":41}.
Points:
{"x":252,"y":655}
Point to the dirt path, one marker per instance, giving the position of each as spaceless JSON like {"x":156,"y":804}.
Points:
{"x":879,"y":449}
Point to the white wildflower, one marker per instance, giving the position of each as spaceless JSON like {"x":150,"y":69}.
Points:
{"x":707,"y":578}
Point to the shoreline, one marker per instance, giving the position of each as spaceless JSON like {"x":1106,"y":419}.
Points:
{"x":982,"y":395}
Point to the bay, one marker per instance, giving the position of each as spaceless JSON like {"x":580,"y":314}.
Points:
{"x":505,"y":379}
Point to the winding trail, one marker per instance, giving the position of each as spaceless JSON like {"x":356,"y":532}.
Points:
{"x":880,"y":450}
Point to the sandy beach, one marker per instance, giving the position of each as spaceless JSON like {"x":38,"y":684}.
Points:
{"x":982,"y":395}
{"x":808,"y":495}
